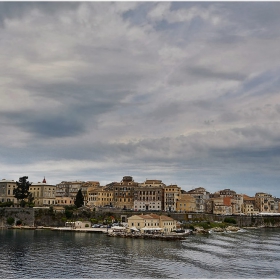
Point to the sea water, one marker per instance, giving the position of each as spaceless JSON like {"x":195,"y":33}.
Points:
{"x":52,"y":254}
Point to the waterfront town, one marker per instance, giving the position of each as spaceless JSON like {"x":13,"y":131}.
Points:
{"x":150,"y":195}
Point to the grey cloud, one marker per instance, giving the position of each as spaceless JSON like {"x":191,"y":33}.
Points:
{"x":208,"y":73}
{"x":11,"y":10}
{"x":187,"y":74}
{"x":46,"y":125}
{"x":261,"y":17}
{"x":95,"y":77}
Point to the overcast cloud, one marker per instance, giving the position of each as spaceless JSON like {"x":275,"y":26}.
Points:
{"x":184,"y":92}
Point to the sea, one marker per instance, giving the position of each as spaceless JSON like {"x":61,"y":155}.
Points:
{"x":252,"y":253}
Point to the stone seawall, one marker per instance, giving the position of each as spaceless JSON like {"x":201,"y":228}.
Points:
{"x":241,"y":220}
{"x":25,"y":215}
{"x":40,"y":217}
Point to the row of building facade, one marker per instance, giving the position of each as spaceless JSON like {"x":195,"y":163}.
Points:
{"x":151,"y":195}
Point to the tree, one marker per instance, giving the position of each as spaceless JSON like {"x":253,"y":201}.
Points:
{"x":30,"y":199}
{"x":10,"y":221}
{"x":22,"y":190}
{"x":79,"y":201}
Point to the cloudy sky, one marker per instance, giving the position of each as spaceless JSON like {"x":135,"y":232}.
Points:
{"x":183,"y":92}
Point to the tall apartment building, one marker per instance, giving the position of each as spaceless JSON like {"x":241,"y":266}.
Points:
{"x":85,"y":187}
{"x":68,"y":189}
{"x":233,"y":200}
{"x":222,"y":206}
{"x":123,"y":193}
{"x":172,"y":194}
{"x":277,"y":204}
{"x":92,"y":194}
{"x":265,"y":202}
{"x":105,"y":196}
{"x":149,"y":195}
{"x":249,"y":205}
{"x":201,"y":196}
{"x":7,"y":190}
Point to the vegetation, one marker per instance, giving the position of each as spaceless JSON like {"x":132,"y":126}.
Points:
{"x":79,"y":201}
{"x":204,"y":224}
{"x":68,"y":214}
{"x":6,"y":204}
{"x":30,"y":200}
{"x":22,"y":190}
{"x":269,"y":220}
{"x":10,"y":221}
{"x":94,"y":221}
{"x":230,"y":220}
{"x":70,"y":207}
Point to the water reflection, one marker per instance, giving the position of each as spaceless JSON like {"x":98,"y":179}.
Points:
{"x":48,"y":254}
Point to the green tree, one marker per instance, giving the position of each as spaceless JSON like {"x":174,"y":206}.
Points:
{"x":68,"y":214}
{"x":22,"y":189}
{"x":30,"y":200}
{"x":230,"y":220}
{"x":10,"y":221}
{"x":79,"y":201}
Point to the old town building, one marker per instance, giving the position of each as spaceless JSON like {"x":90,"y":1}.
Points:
{"x":148,"y":195}
{"x":172,"y":194}
{"x":152,"y":222}
{"x":68,"y":189}
{"x":187,"y":203}
{"x":101,"y":196}
{"x":123,"y":193}
{"x":265,"y":202}
{"x":232,"y":200}
{"x":43,"y":193}
{"x":201,"y":196}
{"x":85,"y":187}
{"x":7,"y":190}
{"x":249,"y":205}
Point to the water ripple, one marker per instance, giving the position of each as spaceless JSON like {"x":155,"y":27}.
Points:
{"x":47,"y":254}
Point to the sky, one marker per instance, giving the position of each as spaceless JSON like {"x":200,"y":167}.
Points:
{"x":183,"y":92}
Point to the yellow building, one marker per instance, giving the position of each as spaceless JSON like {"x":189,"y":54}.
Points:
{"x":7,"y":190}
{"x":105,"y":197}
{"x":43,"y":193}
{"x":187,"y":203}
{"x":64,"y":201}
{"x":85,"y":187}
{"x":152,"y":222}
{"x":265,"y":202}
{"x":100,"y":196}
{"x":249,"y":205}
{"x":172,"y":194}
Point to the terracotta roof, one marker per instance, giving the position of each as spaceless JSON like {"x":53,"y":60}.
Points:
{"x":246,"y":197}
{"x":163,"y":217}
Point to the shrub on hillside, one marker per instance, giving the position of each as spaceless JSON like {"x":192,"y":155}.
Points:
{"x":10,"y":221}
{"x":230,"y":220}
